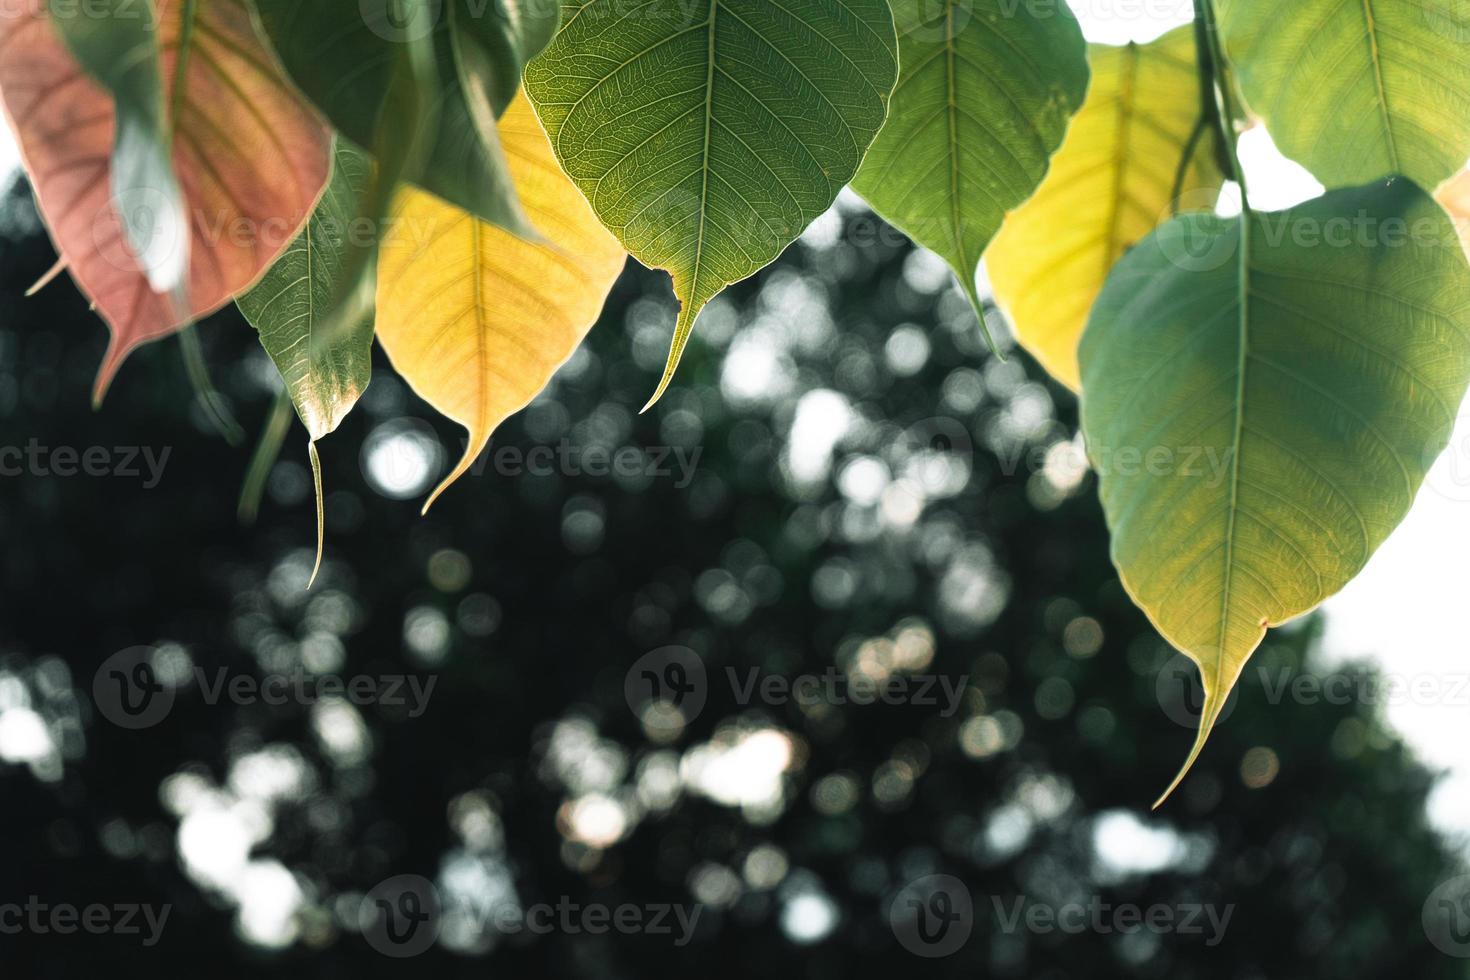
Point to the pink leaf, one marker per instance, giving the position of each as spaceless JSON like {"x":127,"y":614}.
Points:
{"x":250,"y":156}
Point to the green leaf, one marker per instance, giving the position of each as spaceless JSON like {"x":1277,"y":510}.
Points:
{"x":707,"y":135}
{"x":324,"y":375}
{"x":1260,"y":419}
{"x":343,"y":60}
{"x":1355,"y":90}
{"x":117,"y":43}
{"x":984,"y":96}
{"x":325,"y":368}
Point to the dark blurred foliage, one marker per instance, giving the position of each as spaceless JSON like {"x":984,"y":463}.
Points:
{"x":529,"y":597}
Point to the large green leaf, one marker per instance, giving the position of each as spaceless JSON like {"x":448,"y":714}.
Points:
{"x":1355,"y":90}
{"x":117,"y":43}
{"x":707,"y":135}
{"x":343,"y":59}
{"x":985,"y":92}
{"x":1261,"y":419}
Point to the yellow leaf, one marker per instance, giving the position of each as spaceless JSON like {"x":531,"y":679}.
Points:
{"x":476,"y":319}
{"x":1112,"y":182}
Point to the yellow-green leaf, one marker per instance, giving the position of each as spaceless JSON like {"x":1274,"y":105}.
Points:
{"x":476,"y":319}
{"x":985,"y":90}
{"x":709,"y":134}
{"x":1112,"y":182}
{"x":1261,"y":419}
{"x":1355,"y":90}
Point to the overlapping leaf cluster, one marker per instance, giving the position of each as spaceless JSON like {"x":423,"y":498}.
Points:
{"x":462,"y":180}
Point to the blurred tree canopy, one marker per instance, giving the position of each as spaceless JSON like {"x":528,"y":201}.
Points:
{"x":873,"y":492}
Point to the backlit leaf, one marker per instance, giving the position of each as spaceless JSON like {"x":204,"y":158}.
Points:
{"x":1111,"y":183}
{"x":985,"y":91}
{"x":325,"y":369}
{"x":476,"y":319}
{"x":1261,"y":420}
{"x":708,"y":134}
{"x":250,"y":158}
{"x":1355,"y":90}
{"x":116,"y":42}
{"x":324,"y":375}
{"x":342,"y":57}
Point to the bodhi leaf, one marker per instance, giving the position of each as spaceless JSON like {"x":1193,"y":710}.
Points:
{"x":1355,"y":90}
{"x":476,"y":319}
{"x":250,"y":158}
{"x":708,"y":134}
{"x":342,"y":57}
{"x":985,"y":90}
{"x":117,"y":44}
{"x":325,"y":374}
{"x":1260,"y":419}
{"x":1116,"y":177}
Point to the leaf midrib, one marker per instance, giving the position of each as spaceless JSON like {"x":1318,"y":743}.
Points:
{"x":1383,"y":114}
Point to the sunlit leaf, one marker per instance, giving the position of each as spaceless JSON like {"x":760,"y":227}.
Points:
{"x":1117,"y":176}
{"x":342,"y":57}
{"x":250,"y":158}
{"x":708,"y":135}
{"x":1261,"y":420}
{"x":985,"y":91}
{"x":1355,"y":90}
{"x":476,"y":319}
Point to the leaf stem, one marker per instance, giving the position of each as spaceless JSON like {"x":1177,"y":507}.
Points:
{"x":267,"y":451}
{"x":1227,"y":112}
